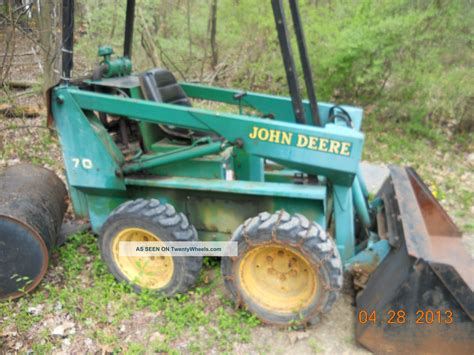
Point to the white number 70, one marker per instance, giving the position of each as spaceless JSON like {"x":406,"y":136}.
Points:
{"x":86,"y":163}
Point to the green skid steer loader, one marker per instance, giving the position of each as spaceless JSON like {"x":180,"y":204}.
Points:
{"x":143,"y":164}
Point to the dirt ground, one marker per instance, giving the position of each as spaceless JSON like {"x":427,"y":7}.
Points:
{"x":334,"y":335}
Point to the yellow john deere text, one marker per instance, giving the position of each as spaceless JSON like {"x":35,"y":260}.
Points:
{"x":301,"y":141}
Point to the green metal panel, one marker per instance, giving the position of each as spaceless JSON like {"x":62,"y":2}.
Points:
{"x":90,"y":156}
{"x":216,"y":215}
{"x":101,"y":203}
{"x":223,"y":213}
{"x":79,"y":202}
{"x":312,"y":192}
{"x":344,"y":221}
{"x":248,"y":167}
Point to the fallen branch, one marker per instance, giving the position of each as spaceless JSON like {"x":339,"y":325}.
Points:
{"x":16,"y":54}
{"x":20,"y":84}
{"x":12,"y":111}
{"x":30,"y":64}
{"x":26,"y":127}
{"x":25,"y":93}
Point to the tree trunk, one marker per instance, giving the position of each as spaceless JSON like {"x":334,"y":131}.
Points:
{"x":6,"y":61}
{"x":114,"y":21}
{"x":213,"y":30}
{"x":188,"y":23}
{"x":48,"y":14}
{"x":165,"y":10}
{"x":147,"y":40}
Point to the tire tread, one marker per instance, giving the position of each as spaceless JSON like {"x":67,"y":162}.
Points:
{"x":177,"y":224}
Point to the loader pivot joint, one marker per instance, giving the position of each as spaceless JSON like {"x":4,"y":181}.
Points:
{"x":239,"y":143}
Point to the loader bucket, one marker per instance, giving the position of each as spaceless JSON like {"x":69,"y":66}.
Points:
{"x":420,"y":298}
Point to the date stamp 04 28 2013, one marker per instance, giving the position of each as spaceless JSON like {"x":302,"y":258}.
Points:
{"x":422,"y":317}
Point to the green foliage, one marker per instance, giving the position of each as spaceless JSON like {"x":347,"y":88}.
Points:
{"x":407,"y":59}
{"x":395,"y":56}
{"x":441,"y":164}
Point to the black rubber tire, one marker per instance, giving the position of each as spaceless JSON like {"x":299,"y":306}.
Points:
{"x":160,"y":219}
{"x":307,"y":238}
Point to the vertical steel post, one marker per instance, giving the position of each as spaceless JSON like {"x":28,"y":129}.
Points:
{"x":67,"y":41}
{"x":360,"y":203}
{"x":344,"y":221}
{"x":308,"y":75}
{"x":128,"y":37}
{"x":290,"y":69}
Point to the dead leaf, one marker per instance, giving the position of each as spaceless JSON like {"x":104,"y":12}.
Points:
{"x":60,"y":330}
{"x":296,"y":336}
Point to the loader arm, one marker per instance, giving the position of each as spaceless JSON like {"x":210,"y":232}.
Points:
{"x":334,"y":151}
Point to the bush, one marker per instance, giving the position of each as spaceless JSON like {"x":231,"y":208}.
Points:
{"x":406,"y":60}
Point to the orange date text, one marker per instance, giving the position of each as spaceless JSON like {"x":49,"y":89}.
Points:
{"x":400,"y":316}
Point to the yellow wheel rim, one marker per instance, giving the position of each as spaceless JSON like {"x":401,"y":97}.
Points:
{"x":278,"y":278}
{"x":152,"y":272}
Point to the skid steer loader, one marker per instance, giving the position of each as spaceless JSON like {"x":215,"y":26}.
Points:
{"x":144,"y":164}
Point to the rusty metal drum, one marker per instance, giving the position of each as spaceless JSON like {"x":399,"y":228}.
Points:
{"x":33,"y":201}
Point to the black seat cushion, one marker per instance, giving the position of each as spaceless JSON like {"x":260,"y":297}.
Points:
{"x":160,"y":85}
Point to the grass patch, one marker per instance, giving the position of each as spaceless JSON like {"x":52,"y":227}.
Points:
{"x":79,"y":287}
{"x":439,"y":158}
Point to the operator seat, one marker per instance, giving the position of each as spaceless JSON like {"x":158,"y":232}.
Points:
{"x":160,"y":85}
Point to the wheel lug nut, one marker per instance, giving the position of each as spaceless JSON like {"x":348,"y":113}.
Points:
{"x":281,"y":253}
{"x":269,"y":259}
